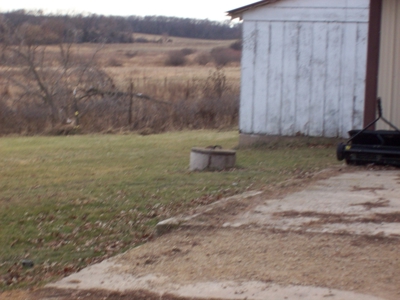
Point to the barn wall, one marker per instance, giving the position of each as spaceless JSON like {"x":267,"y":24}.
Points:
{"x":303,"y":67}
{"x":389,"y":63}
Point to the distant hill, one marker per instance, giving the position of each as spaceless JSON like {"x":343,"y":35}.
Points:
{"x":51,"y":29}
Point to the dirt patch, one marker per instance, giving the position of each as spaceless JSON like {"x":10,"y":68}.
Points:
{"x":328,"y":218}
{"x":370,"y":205}
{"x":321,"y":218}
{"x":345,"y":262}
{"x":388,"y":218}
{"x":98,"y":294}
{"x":370,"y":189}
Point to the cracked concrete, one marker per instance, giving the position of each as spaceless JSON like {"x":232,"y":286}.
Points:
{"x":361,"y":203}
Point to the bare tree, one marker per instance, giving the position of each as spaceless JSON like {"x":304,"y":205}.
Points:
{"x":57,"y":77}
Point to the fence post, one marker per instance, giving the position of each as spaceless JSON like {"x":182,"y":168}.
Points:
{"x":130,"y":104}
{"x":76,"y":108}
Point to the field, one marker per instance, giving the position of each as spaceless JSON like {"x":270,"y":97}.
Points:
{"x":146,"y":61}
{"x":42,"y":87}
{"x":68,"y":202}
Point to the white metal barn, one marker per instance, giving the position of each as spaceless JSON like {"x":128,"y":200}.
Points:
{"x":316,"y":67}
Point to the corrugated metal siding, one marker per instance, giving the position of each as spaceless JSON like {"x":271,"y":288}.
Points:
{"x":303,"y":68}
{"x":389,"y":63}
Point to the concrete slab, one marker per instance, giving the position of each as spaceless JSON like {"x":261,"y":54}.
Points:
{"x":363,"y":203}
{"x":106,"y":275}
{"x":355,"y":203}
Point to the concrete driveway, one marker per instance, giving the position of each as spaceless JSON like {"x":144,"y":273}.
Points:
{"x":333,"y":238}
{"x":364,"y":203}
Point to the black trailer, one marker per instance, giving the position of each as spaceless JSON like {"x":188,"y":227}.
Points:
{"x":372,"y":146}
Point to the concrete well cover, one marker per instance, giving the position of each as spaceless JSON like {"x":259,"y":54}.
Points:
{"x":211,"y":159}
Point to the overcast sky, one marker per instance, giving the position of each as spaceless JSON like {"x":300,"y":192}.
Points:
{"x":203,"y":9}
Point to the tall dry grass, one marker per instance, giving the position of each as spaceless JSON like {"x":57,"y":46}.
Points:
{"x":168,"y":105}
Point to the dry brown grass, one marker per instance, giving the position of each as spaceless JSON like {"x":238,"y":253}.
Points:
{"x":149,"y":60}
{"x":188,"y":87}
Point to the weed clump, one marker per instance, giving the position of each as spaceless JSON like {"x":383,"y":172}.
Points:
{"x":187,"y":51}
{"x":237,"y":45}
{"x":223,"y":56}
{"x":203,"y":58}
{"x":175,"y":59}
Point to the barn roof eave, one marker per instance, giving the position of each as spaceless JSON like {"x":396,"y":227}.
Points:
{"x":237,"y":12}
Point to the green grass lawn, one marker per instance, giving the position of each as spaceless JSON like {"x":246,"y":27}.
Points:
{"x":70,"y":201}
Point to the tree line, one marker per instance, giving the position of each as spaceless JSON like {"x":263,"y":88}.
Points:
{"x":111,"y":29}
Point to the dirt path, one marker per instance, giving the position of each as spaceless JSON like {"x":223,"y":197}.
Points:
{"x":350,"y":263}
{"x":206,"y":258}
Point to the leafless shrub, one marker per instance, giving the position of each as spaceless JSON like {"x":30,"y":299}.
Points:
{"x":206,"y":113}
{"x":215,"y":84}
{"x":203,"y":58}
{"x":237,"y":45}
{"x":141,"y":40}
{"x":223,"y":56}
{"x":5,"y":92}
{"x":187,"y":51}
{"x":188,"y":108}
{"x":27,"y":119}
{"x":131,"y":54}
{"x":6,"y":116}
{"x":103,"y":113}
{"x":175,"y":58}
{"x":114,"y":62}
{"x":63,"y":129}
